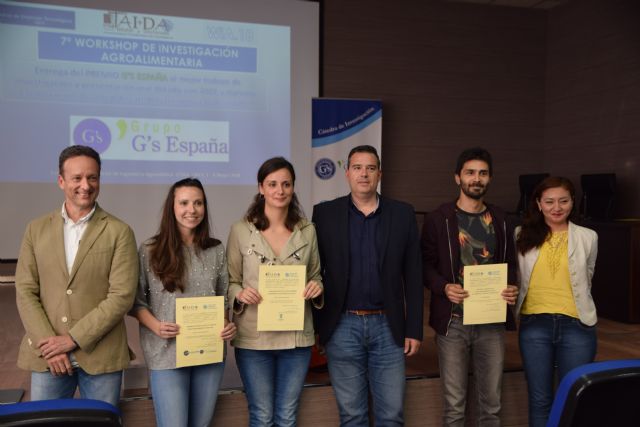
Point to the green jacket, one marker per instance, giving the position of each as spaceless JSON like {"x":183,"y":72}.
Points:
{"x":246,"y":251}
{"x":89,"y":303}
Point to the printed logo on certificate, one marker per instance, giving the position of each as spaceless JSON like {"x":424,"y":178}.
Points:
{"x":282,"y":306}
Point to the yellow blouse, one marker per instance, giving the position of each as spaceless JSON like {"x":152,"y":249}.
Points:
{"x":550,"y":286}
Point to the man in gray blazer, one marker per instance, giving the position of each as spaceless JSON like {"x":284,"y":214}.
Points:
{"x":75,"y":281}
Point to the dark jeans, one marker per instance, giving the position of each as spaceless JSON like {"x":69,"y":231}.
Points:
{"x":364,"y":357}
{"x":547,"y":342}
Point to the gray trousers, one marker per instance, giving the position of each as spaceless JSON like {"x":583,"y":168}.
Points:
{"x":483,"y":345}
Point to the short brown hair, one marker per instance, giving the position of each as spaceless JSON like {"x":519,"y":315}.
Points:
{"x":364,"y":149}
{"x":77,"y":151}
{"x":475,"y":153}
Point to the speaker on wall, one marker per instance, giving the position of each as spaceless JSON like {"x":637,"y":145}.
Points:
{"x":598,"y":195}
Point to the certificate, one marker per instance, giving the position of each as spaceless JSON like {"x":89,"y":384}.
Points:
{"x":484,"y":303}
{"x":282,"y":306}
{"x":201,"y":320}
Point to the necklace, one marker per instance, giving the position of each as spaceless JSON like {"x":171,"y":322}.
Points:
{"x":557,"y":243}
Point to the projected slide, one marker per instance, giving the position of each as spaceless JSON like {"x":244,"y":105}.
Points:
{"x":160,"y":98}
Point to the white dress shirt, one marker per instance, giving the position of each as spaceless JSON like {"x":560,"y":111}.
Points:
{"x":73,"y":232}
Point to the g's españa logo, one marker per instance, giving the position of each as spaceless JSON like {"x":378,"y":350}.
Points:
{"x":93,"y":133}
{"x":325,"y":168}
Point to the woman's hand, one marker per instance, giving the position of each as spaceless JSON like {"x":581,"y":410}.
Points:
{"x":167,"y":330}
{"x":312,"y":290}
{"x":510,"y":294}
{"x":229,"y":330}
{"x":249,"y":295}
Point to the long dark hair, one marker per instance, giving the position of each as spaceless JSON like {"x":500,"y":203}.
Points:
{"x":167,"y":257}
{"x":534,"y":228}
{"x":255,"y":213}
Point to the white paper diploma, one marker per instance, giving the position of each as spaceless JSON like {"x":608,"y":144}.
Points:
{"x":484,"y":303}
{"x":282,"y":306}
{"x":201,"y":320}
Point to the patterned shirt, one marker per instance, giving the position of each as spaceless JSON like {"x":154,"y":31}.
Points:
{"x":477,"y":239}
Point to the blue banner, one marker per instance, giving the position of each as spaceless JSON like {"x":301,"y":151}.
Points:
{"x":337,"y":126}
{"x":336,"y":119}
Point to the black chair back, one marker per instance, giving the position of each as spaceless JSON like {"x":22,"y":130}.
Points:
{"x":598,"y":196}
{"x":598,"y":394}
{"x":60,"y":413}
{"x":527,"y":184}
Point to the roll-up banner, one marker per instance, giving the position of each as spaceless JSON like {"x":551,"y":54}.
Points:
{"x":338,"y":125}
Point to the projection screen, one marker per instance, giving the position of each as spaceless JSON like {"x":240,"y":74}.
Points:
{"x":163,"y":90}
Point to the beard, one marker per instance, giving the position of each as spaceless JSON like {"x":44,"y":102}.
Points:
{"x":475,"y":191}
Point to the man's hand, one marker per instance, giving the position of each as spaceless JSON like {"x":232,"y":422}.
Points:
{"x":60,"y":365}
{"x":455,"y":292}
{"x":510,"y":294}
{"x":411,"y":346}
{"x":56,"y":345}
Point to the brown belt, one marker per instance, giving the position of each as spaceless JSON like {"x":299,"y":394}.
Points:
{"x":365,"y":312}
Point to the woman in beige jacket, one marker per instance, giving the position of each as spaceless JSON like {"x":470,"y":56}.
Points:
{"x":272,"y":364}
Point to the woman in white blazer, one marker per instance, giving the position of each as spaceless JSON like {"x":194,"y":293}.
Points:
{"x":556,"y":261}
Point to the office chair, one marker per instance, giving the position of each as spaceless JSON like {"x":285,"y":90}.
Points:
{"x":60,"y":413}
{"x":598,"y":195}
{"x":598,"y":394}
{"x":527,"y":184}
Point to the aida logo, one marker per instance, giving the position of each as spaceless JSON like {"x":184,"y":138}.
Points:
{"x":129,"y":23}
{"x":93,"y":133}
{"x":325,"y":168}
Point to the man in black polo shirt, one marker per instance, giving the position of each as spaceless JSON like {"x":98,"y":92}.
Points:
{"x":372,"y":316}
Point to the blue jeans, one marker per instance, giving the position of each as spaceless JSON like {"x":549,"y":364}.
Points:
{"x":549,"y":341}
{"x":483,"y":345}
{"x":105,"y":387}
{"x":273,"y":381}
{"x":363,"y":356}
{"x":186,"y":396}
